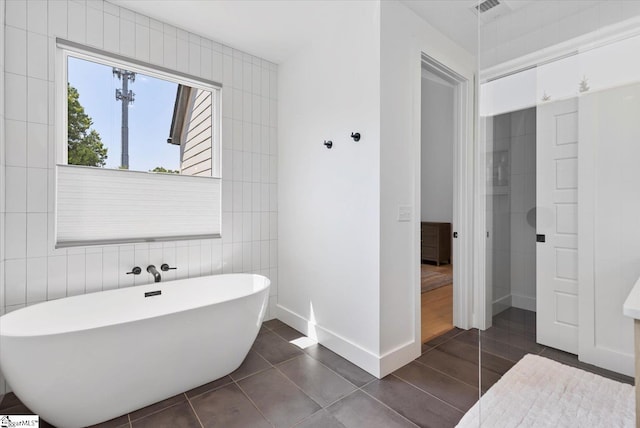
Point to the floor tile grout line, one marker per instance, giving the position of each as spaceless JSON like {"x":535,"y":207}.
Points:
{"x":300,"y":422}
{"x":299,"y":388}
{"x":390,"y":408}
{"x":471,"y":362}
{"x":193,"y":409}
{"x":440,"y":371}
{"x":428,"y":393}
{"x":329,"y":368}
{"x":254,"y":404}
{"x":498,"y":355}
{"x":416,"y":386}
{"x":288,"y":359}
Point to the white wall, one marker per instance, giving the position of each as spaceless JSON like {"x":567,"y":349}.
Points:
{"x":349,"y":272}
{"x":437,"y":140}
{"x":329,"y":199}
{"x":31,"y":269}
{"x":404,"y":36}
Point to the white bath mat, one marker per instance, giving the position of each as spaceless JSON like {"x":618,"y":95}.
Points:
{"x":538,"y":392}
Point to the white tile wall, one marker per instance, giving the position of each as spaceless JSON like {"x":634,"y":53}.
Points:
{"x":31,"y":269}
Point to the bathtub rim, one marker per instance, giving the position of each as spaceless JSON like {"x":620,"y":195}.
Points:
{"x":266,"y":284}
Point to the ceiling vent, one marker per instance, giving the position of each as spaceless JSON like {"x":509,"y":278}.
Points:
{"x":486,"y":5}
{"x":490,"y":10}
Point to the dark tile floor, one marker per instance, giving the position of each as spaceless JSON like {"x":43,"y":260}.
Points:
{"x":282,"y":385}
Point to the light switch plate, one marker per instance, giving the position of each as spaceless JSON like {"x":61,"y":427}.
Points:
{"x":405,"y":213}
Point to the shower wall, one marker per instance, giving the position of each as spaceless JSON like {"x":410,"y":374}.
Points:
{"x":511,"y":201}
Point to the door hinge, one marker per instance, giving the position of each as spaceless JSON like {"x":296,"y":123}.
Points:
{"x":541,"y":238}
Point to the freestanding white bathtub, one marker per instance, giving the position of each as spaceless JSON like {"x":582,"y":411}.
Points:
{"x":85,"y":359}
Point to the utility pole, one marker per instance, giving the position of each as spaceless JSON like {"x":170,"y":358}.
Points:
{"x":127,"y":97}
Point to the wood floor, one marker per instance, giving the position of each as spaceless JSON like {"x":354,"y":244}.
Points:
{"x":437,"y":306}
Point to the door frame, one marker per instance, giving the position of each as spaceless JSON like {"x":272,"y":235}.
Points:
{"x":463,"y":191}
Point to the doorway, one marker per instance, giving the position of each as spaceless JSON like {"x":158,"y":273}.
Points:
{"x":439,"y":136}
{"x":511,"y":212}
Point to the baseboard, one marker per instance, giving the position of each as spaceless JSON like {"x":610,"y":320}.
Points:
{"x":399,"y":357}
{"x":523,"y":302}
{"x":501,"y":304}
{"x":378,"y":366}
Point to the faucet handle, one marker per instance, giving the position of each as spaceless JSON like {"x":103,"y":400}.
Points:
{"x":135,"y":271}
{"x":165,"y":267}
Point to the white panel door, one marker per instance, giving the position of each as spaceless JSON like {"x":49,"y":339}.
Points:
{"x":609,"y":244}
{"x":557,"y":221}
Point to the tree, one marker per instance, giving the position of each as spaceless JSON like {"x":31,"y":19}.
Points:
{"x":84,"y":144}
{"x":164,"y":170}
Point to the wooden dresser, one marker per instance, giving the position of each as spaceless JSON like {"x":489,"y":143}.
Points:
{"x":436,"y":242}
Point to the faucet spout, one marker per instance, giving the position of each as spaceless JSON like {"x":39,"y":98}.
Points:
{"x":153,"y":271}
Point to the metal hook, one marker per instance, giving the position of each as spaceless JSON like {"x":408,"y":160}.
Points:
{"x":329,"y":144}
{"x":356,"y":136}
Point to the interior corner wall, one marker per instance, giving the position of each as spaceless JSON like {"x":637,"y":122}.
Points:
{"x":32,"y":270}
{"x":437,"y":140}
{"x":404,"y":37}
{"x":329,"y":198}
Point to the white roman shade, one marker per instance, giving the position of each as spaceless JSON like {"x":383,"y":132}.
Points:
{"x":101,"y":206}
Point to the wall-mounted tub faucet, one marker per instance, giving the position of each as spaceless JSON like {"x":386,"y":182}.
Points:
{"x":164,"y":267}
{"x":135,"y":271}
{"x":153,"y":271}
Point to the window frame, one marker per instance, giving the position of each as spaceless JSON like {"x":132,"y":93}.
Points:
{"x":65,"y":49}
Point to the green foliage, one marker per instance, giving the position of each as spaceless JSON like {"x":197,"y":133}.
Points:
{"x":84,"y":144}
{"x":164,"y":170}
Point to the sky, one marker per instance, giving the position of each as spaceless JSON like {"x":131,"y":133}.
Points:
{"x":149,"y":116}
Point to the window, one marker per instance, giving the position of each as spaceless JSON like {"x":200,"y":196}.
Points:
{"x":138,"y":154}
